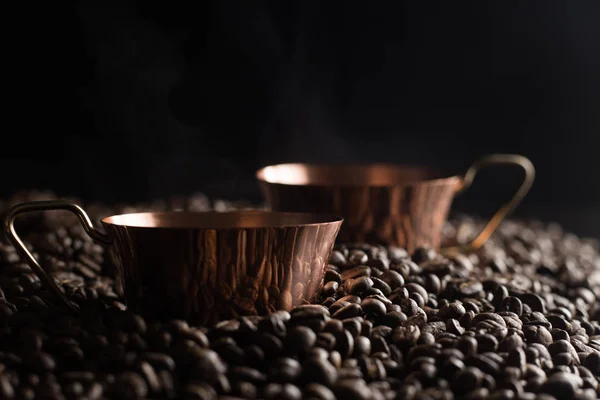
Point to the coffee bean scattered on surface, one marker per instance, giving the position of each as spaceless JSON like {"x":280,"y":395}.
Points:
{"x":520,"y":319}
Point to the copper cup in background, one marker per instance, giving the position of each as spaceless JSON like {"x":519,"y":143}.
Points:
{"x":205,"y":266}
{"x":405,"y":206}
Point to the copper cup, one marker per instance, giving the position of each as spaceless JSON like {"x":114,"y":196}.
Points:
{"x":405,"y":206}
{"x":205,"y":266}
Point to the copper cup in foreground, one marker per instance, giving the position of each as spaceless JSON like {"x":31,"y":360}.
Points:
{"x":405,"y":206}
{"x":205,"y":266}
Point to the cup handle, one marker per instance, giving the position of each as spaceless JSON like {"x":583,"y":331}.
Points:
{"x":11,"y":234}
{"x":494,"y":222}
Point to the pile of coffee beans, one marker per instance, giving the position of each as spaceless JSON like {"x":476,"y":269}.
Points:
{"x":519,"y":319}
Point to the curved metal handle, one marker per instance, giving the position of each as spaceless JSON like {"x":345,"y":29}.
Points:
{"x":492,"y":225}
{"x":11,"y":234}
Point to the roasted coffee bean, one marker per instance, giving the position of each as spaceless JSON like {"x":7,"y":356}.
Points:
{"x":467,"y":345}
{"x":284,"y":369}
{"x":299,"y":340}
{"x":467,"y":380}
{"x":330,"y":288}
{"x":337,"y":258}
{"x":561,"y":346}
{"x":409,"y":307}
{"x":348,"y":311}
{"x":510,"y":342}
{"x":344,"y":343}
{"x":356,"y":272}
{"x":357,"y":257}
{"x":393,"y":279}
{"x":130,"y":385}
{"x":535,"y":302}
{"x":592,"y":362}
{"x":366,"y":328}
{"x":379,"y":261}
{"x":382,"y":286}
{"x":326,"y":341}
{"x":537,"y":334}
{"x":562,"y":385}
{"x":362,"y":346}
{"x":486,"y":342}
{"x":319,"y":371}
{"x":355,"y":389}
{"x":512,"y":304}
{"x":520,"y":311}
{"x":405,"y":336}
{"x":452,"y":310}
{"x":318,"y":392}
{"x":373,"y":306}
{"x":392,"y":319}
{"x":360,"y":285}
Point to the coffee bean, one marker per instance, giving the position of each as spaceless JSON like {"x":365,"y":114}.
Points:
{"x":319,"y":371}
{"x":330,"y":288}
{"x":355,"y":389}
{"x":373,"y":306}
{"x":392,"y":327}
{"x":199,"y":391}
{"x":452,"y":310}
{"x":360,"y":285}
{"x":356,"y":272}
{"x":299,"y":340}
{"x":357,"y":257}
{"x":420,"y":290}
{"x":561,"y":346}
{"x":318,"y":392}
{"x":382,"y":286}
{"x":486,"y":342}
{"x":393,"y":279}
{"x":362,"y":346}
{"x":469,"y":288}
{"x":409,"y":307}
{"x":349,"y":311}
{"x":466,"y":380}
{"x":392,"y":319}
{"x":205,"y":363}
{"x":366,"y":328}
{"x":535,"y":302}
{"x":284,"y":369}
{"x":130,"y":385}
{"x":516,"y":358}
{"x":537,"y":334}
{"x":512,"y":304}
{"x":337,"y":258}
{"x":326,"y":341}
{"x":345,"y":343}
{"x":562,"y":385}
{"x":405,"y":336}
{"x":509,"y":343}
{"x":592,"y":362}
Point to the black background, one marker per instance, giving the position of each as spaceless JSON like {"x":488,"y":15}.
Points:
{"x":127,"y":101}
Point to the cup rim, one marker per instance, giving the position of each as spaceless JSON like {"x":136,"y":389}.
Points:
{"x":220,"y":220}
{"x":434,"y":176}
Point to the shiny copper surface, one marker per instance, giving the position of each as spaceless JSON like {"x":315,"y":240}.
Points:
{"x":387,"y":204}
{"x":207,"y":266}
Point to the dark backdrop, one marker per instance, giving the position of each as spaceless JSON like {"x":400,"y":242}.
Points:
{"x":124,"y":101}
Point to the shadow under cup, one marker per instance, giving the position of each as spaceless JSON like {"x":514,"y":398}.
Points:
{"x":206,"y":266}
{"x":386,"y":204}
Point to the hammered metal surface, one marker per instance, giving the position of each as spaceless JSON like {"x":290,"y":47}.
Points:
{"x":206,"y":275}
{"x":406,"y":216}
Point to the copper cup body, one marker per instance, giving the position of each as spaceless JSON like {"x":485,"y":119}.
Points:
{"x":208,"y":266}
{"x":383,"y":204}
{"x":221,"y":265}
{"x":387,"y":204}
